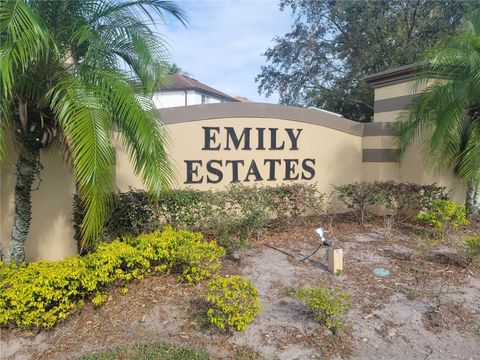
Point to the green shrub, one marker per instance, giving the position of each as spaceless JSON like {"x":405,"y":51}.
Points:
{"x":186,"y":208}
{"x":241,"y":213}
{"x":42,"y":293}
{"x":442,"y":215}
{"x":471,"y":246}
{"x":395,"y":198}
{"x":399,"y":198}
{"x":135,"y":212}
{"x":232,"y":216}
{"x":358,"y":196}
{"x":290,"y":201}
{"x":327,"y":305}
{"x":233,"y":302}
{"x":425,"y":195}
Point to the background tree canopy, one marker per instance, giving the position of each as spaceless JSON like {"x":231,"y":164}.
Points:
{"x":333,"y":44}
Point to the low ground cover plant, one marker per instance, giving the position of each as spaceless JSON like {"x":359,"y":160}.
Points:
{"x":233,"y":302}
{"x":42,"y":293}
{"x":327,"y":305}
{"x":150,"y":351}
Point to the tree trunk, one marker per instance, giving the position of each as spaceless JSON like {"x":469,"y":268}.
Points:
{"x":472,"y":201}
{"x":28,"y":167}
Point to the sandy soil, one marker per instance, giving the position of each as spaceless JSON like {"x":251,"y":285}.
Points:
{"x":428,"y":308}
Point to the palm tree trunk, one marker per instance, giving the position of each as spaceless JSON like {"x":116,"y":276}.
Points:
{"x":472,"y":201}
{"x":28,"y":167}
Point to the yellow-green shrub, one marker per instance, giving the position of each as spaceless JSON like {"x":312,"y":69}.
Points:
{"x":233,"y":302}
{"x":327,"y":305}
{"x":181,"y":252}
{"x":443,"y":214}
{"x":116,"y":261}
{"x":471,"y":246}
{"x":42,"y":293}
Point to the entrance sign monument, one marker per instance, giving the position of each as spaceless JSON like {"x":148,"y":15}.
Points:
{"x":214,"y":145}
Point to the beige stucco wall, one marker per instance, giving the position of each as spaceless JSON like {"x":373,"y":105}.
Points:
{"x":125,"y":177}
{"x":51,"y":232}
{"x":387,"y":116}
{"x":394,"y":90}
{"x":412,"y":166}
{"x":325,"y":145}
{"x":413,"y":170}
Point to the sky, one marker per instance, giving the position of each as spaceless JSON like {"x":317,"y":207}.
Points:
{"x":224,"y":42}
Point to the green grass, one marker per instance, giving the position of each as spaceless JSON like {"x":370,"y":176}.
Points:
{"x":151,"y":351}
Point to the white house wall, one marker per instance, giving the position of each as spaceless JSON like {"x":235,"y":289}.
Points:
{"x":166,"y":99}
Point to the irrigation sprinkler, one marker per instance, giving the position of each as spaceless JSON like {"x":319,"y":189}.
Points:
{"x":334,"y":256}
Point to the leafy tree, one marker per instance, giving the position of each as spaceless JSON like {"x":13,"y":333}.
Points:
{"x":72,"y":72}
{"x":446,"y":116}
{"x":333,"y":44}
{"x":173,"y":69}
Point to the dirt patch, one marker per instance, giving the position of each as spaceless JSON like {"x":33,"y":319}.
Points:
{"x":427,"y":308}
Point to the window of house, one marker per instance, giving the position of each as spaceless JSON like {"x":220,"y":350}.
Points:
{"x":204,"y":99}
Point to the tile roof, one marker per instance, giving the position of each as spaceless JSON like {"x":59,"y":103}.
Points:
{"x":183,"y":82}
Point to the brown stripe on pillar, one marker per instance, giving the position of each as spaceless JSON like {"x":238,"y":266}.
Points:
{"x":380,"y":155}
{"x":392,"y":104}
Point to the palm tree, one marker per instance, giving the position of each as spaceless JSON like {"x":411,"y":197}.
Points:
{"x":73,"y":72}
{"x":446,"y":116}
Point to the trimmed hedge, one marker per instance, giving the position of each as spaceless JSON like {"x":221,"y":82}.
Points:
{"x":395,"y":199}
{"x":42,"y":293}
{"x":236,"y":213}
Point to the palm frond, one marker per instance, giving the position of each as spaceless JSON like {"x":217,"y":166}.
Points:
{"x":94,"y":63}
{"x":86,"y":126}
{"x":469,"y":164}
{"x":23,"y":38}
{"x":2,"y":137}
{"x":440,"y":115}
{"x":139,"y":9}
{"x":140,"y":129}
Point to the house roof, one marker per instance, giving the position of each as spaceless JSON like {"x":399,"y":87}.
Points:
{"x":177,"y":82}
